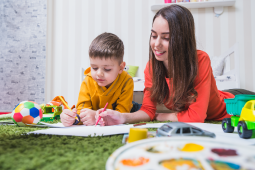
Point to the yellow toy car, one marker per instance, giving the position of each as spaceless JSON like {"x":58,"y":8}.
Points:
{"x":242,"y":109}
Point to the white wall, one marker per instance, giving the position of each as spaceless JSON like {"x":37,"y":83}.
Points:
{"x":22,"y":52}
{"x":72,"y":25}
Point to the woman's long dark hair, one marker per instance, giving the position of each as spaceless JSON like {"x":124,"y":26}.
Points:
{"x":182,"y":61}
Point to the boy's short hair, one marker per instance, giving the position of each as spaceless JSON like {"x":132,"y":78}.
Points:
{"x":107,"y":45}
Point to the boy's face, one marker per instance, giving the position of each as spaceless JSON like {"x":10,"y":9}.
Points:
{"x":105,"y":71}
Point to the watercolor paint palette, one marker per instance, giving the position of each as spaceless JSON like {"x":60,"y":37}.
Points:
{"x":182,"y":153}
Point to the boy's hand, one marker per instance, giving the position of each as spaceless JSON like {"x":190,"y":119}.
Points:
{"x":88,"y":117}
{"x":67,"y":117}
{"x":109,"y":117}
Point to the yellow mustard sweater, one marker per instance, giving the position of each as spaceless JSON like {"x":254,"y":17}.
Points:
{"x":119,"y":95}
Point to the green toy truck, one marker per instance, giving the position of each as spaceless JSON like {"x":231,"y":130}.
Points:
{"x":51,"y":112}
{"x":242,"y":109}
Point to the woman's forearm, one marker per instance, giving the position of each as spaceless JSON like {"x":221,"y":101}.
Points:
{"x":167,"y":116}
{"x":139,"y":116}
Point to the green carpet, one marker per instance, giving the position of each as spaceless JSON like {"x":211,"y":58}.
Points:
{"x":29,"y":152}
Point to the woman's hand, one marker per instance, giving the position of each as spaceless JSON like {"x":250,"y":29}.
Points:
{"x":67,"y":117}
{"x":110,"y":117}
{"x":166,"y":116}
{"x":88,"y":117}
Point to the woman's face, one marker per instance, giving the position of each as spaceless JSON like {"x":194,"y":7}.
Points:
{"x":160,"y":39}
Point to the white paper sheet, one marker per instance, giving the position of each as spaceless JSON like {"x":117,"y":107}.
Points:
{"x":220,"y":135}
{"x":43,"y":124}
{"x":6,"y":115}
{"x":80,"y":130}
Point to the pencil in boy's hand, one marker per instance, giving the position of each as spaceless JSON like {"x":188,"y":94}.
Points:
{"x":63,"y":101}
{"x":99,"y":117}
{"x":72,"y":107}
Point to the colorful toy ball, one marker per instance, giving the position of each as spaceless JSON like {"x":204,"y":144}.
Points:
{"x":27,"y":112}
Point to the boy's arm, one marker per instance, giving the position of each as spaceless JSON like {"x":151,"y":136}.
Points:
{"x":124,"y":102}
{"x":84,"y":99}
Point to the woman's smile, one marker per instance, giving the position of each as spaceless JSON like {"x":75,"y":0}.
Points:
{"x":159,"y":53}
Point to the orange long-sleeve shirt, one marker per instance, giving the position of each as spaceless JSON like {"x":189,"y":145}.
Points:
{"x":209,"y":103}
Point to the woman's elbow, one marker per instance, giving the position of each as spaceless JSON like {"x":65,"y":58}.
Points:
{"x":193,"y":120}
{"x":198,"y":120}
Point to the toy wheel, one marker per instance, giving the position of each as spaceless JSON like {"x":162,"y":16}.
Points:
{"x":226,"y":125}
{"x":243,"y":131}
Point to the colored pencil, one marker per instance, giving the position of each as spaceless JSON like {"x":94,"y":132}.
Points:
{"x":139,"y":124}
{"x":64,"y":102}
{"x":102,"y":111}
{"x":67,"y":106}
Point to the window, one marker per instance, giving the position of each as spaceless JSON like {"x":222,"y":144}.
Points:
{"x":196,"y":131}
{"x":248,"y":105}
{"x":166,"y":128}
{"x":178,"y":131}
{"x":186,"y":130}
{"x":49,"y":110}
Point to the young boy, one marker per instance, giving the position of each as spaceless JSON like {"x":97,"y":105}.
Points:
{"x":105,"y":81}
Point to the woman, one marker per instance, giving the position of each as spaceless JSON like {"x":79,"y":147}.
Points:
{"x":177,"y":75}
